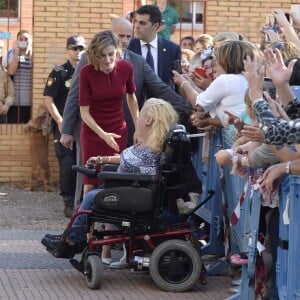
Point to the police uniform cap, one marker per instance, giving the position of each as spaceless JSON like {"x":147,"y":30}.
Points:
{"x":76,"y":40}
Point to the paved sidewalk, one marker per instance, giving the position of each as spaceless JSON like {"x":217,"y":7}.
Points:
{"x":28,"y":271}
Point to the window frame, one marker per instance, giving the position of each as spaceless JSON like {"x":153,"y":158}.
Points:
{"x":193,"y":11}
{"x":3,"y":20}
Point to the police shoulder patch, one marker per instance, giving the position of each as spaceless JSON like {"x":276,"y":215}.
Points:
{"x":50,"y":81}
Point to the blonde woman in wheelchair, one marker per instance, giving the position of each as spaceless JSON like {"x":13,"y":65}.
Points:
{"x":156,"y":119}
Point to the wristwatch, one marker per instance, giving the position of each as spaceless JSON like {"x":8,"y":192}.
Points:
{"x":288,"y":167}
{"x":99,"y":160}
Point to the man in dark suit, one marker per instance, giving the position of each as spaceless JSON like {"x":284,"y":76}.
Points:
{"x":144,"y":77}
{"x":147,"y":20}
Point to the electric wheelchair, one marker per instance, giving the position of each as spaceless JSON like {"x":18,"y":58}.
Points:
{"x":136,"y":204}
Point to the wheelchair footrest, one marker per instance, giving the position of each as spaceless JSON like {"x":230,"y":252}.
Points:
{"x":66,"y":251}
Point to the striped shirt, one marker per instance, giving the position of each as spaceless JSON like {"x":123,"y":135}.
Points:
{"x":22,"y":79}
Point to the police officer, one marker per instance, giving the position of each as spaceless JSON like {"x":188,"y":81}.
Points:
{"x":55,"y":92}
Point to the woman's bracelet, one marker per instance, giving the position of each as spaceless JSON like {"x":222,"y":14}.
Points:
{"x":183,"y":83}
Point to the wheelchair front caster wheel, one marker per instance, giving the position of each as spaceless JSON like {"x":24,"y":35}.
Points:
{"x":175,"y":266}
{"x":93,"y":272}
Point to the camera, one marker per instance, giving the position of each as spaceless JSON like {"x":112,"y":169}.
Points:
{"x":22,"y":44}
{"x":177,"y":66}
{"x":207,"y":52}
{"x":269,"y":87}
{"x":273,"y":25}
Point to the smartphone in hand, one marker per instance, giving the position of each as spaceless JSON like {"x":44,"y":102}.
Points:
{"x":201,"y":71}
{"x":177,"y":66}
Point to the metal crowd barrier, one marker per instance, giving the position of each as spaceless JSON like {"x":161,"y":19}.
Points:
{"x":288,"y":257}
{"x":217,"y":212}
{"x":208,"y":172}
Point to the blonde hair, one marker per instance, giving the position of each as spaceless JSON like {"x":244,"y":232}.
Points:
{"x":164,"y":118}
{"x":205,"y":40}
{"x":189,"y":53}
{"x":288,"y":49}
{"x":226,"y":36}
{"x":100,"y":41}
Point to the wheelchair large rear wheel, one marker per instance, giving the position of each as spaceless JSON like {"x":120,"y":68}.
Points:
{"x":93,"y":271}
{"x":175,"y":266}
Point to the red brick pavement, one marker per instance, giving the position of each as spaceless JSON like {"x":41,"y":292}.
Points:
{"x":117,"y":285}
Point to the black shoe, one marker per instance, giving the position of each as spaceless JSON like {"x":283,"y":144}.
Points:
{"x":53,"y":236}
{"x":49,"y":243}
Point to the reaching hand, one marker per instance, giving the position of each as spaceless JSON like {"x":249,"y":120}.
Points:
{"x":276,"y":108}
{"x":252,"y":133}
{"x":275,"y":66}
{"x":200,"y":81}
{"x":179,"y":79}
{"x":234,"y":120}
{"x":254,"y":75}
{"x":280,"y":17}
{"x":271,"y":178}
{"x":109,"y":139}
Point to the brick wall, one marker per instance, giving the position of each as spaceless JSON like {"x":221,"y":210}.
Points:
{"x":244,"y":16}
{"x":54,"y":21}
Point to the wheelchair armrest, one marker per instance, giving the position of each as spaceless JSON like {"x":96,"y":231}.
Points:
{"x":110,"y":167}
{"x":89,"y":172}
{"x":105,"y":175}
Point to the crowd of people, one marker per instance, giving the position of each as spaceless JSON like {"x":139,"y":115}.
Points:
{"x":220,"y":84}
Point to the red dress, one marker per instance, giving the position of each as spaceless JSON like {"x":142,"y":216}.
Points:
{"x":104,"y":94}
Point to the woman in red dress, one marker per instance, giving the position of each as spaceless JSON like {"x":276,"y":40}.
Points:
{"x":103,"y":84}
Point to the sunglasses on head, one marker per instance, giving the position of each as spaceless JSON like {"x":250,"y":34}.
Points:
{"x":75,"y":48}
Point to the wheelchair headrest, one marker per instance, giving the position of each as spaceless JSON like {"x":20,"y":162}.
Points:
{"x":177,"y":148}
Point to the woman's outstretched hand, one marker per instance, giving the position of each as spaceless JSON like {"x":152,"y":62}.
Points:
{"x":109,"y":139}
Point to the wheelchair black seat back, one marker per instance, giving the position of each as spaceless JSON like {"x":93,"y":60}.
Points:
{"x":135,"y":204}
{"x":176,"y":171}
{"x":125,"y":195}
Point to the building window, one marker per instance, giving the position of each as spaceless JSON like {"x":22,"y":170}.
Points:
{"x":9,"y":9}
{"x":191,"y":12}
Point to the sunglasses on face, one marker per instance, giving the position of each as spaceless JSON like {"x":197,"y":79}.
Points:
{"x":75,"y":48}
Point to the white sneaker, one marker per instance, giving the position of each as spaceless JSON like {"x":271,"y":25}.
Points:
{"x":106,"y":260}
{"x":122,"y":263}
{"x":236,"y":282}
{"x":118,"y":264}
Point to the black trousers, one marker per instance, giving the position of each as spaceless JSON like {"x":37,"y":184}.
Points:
{"x":66,"y":159}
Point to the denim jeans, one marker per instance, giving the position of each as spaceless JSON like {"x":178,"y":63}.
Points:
{"x":80,"y":220}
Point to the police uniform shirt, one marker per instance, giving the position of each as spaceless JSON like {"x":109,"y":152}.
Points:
{"x":58,"y":85}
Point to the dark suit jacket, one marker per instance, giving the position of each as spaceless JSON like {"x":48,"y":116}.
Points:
{"x":167,"y":53}
{"x":144,"y":77}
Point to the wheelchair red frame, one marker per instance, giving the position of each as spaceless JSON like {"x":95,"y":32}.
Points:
{"x":171,"y":252}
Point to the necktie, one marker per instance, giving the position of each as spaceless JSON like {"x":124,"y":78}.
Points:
{"x":149,"y":57}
